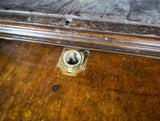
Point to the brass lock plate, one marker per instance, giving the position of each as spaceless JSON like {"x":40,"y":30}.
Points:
{"x":73,"y":61}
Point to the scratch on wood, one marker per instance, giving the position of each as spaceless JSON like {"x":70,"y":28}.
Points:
{"x":60,"y":8}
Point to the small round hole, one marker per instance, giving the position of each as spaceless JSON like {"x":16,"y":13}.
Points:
{"x":67,"y":22}
{"x":85,"y":52}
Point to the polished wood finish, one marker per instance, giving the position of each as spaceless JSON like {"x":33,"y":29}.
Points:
{"x":113,"y":87}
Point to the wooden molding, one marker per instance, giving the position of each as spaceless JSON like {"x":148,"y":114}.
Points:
{"x":114,"y":36}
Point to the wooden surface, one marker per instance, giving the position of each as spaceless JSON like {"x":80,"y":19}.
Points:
{"x":114,"y":87}
{"x":129,"y":38}
{"x":145,"y":11}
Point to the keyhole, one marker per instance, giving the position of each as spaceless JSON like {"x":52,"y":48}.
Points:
{"x":73,"y":58}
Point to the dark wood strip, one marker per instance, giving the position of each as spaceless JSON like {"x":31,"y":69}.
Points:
{"x":73,"y":31}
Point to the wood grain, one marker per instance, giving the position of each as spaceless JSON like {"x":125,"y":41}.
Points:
{"x":94,"y":40}
{"x":145,"y":11}
{"x":134,"y":38}
{"x":113,"y":86}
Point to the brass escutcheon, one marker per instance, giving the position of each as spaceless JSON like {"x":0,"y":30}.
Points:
{"x":73,"y":61}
